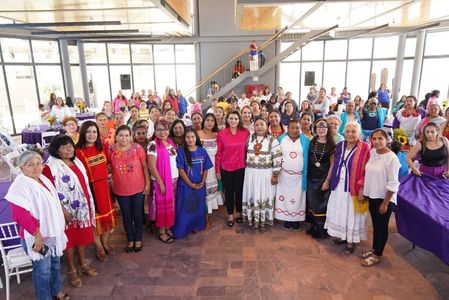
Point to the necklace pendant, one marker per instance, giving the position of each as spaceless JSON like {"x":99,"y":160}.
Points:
{"x":318,"y":164}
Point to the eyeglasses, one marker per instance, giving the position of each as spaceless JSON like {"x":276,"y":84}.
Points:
{"x":372,"y":103}
{"x":161,"y":129}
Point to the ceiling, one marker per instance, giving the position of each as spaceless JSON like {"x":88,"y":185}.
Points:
{"x":396,"y":15}
{"x":158,"y":18}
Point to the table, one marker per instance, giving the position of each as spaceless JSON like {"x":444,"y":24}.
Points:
{"x":5,"y":211}
{"x":86,"y":116}
{"x":33,"y":135}
{"x":422,"y":213}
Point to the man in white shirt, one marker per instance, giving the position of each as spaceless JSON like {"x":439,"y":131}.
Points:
{"x":243,"y":101}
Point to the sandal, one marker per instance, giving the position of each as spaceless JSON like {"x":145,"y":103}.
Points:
{"x":74,"y":279}
{"x":101,"y":256}
{"x":86,"y":270}
{"x":169,"y":233}
{"x":349,"y":249}
{"x":230,"y":223}
{"x":239,"y":220}
{"x":109,"y":250}
{"x":61,"y":296}
{"x":371,"y":261}
{"x":165,"y":238}
{"x":367,"y":254}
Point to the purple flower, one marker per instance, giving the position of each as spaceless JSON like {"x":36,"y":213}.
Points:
{"x":61,"y":196}
{"x":75,"y":204}
{"x":65,"y":178}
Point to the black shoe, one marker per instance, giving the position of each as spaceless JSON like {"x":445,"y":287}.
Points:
{"x":230,"y":223}
{"x":311,"y":231}
{"x":137,"y":249}
{"x":239,"y":220}
{"x":129,"y":249}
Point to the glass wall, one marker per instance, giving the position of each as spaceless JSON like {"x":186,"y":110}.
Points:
{"x":435,"y":65}
{"x":30,"y":72}
{"x":359,"y":64}
{"x":148,"y":66}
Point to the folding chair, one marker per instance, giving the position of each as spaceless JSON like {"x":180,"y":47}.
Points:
{"x":15,"y":260}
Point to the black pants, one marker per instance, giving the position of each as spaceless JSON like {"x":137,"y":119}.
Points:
{"x":233,"y":188}
{"x":380,"y":224}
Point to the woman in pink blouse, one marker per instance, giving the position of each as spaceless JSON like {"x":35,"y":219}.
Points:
{"x":36,"y":208}
{"x":230,"y":163}
{"x":130,"y":183}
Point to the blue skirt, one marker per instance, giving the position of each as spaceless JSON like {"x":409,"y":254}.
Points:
{"x":190,"y":211}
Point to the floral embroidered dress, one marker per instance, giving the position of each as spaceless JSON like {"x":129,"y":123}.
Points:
{"x":75,"y":196}
{"x":263,"y":159}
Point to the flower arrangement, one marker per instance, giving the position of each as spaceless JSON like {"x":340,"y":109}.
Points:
{"x":400,"y":135}
{"x":51,"y":119}
{"x":81,"y":106}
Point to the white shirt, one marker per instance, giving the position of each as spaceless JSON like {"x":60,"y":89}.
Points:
{"x":172,"y":152}
{"x":243,"y":102}
{"x":60,"y":113}
{"x":381,"y":175}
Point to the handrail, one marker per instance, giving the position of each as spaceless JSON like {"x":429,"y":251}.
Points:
{"x":272,"y":38}
{"x":239,"y":53}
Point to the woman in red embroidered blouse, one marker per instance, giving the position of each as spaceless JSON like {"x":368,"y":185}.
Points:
{"x":107,"y":134}
{"x":92,"y":154}
{"x":230,"y":163}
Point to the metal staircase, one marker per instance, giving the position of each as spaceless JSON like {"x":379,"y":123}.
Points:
{"x":298,"y":44}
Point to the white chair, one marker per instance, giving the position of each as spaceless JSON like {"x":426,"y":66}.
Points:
{"x":22,"y":148}
{"x":15,"y":260}
{"x":48,"y":134}
{"x":11,"y":160}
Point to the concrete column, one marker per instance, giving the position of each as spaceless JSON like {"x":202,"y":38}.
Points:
{"x":417,"y":64}
{"x":66,"y":68}
{"x":399,"y":64}
{"x":83,"y":70}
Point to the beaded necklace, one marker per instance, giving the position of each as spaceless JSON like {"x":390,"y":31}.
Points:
{"x":318,"y":161}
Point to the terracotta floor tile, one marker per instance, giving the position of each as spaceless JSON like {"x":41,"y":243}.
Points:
{"x":243,"y":263}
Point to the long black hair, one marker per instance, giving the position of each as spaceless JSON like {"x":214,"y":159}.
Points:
{"x":82,"y":142}
{"x":215,"y":128}
{"x":186,"y":148}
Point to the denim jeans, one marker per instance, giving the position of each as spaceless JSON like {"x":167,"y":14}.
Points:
{"x":46,"y":276}
{"x":132,"y":214}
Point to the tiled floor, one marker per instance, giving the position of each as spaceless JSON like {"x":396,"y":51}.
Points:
{"x":242,"y":263}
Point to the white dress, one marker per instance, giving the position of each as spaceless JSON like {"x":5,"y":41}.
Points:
{"x":341,"y":220}
{"x":290,"y":198}
{"x":258,"y":192}
{"x":213,"y":196}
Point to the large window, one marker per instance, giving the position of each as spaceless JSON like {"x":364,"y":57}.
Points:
{"x":360,"y":65}
{"x":25,"y":105}
{"x":33,"y":71}
{"x":148,"y":66}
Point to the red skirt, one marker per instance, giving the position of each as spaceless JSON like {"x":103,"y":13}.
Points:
{"x":79,"y":236}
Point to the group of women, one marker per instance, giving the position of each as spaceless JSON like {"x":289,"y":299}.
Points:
{"x":266,"y":165}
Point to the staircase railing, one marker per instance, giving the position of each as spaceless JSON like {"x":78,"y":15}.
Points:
{"x":224,"y":73}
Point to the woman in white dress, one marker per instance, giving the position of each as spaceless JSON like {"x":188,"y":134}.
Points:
{"x":408,"y":118}
{"x":263,"y":164}
{"x":208,"y":137}
{"x":347,"y":208}
{"x":292,"y":185}
{"x":60,"y":110}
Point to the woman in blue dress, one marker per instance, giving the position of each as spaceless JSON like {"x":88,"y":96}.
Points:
{"x":193,"y":163}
